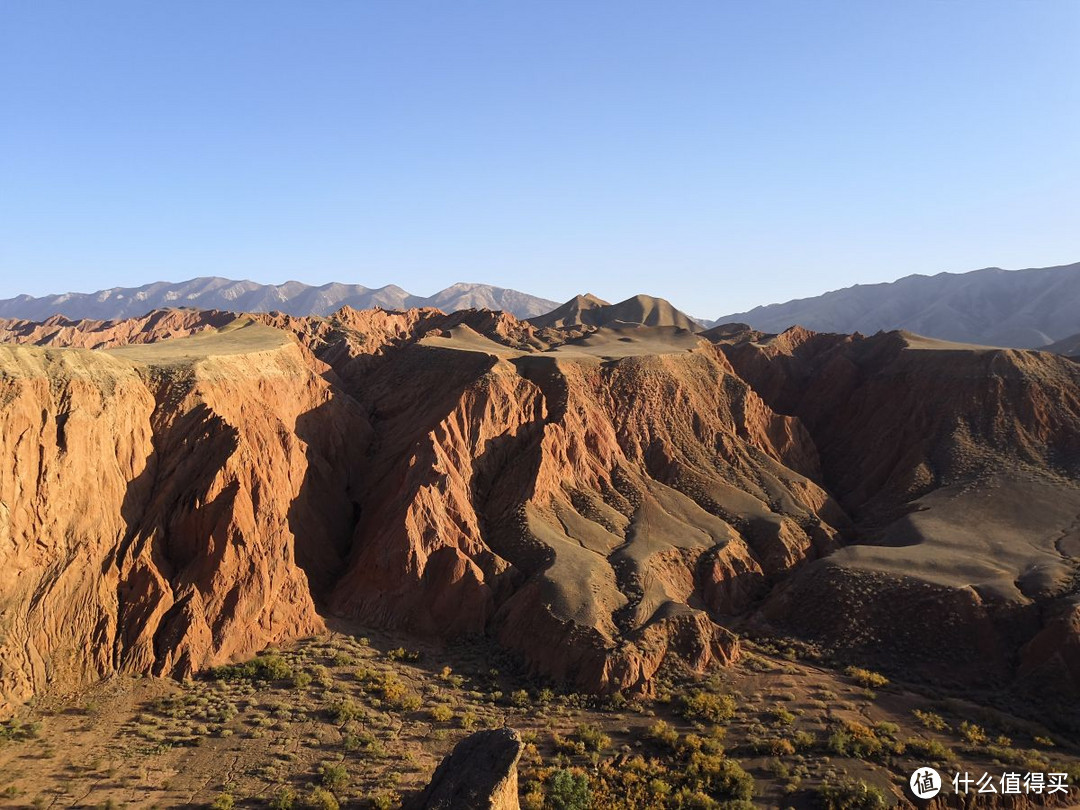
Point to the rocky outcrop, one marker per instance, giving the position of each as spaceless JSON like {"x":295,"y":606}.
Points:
{"x":479,"y":774}
{"x":151,"y":508}
{"x":566,"y":504}
{"x":934,"y":413}
{"x":161,"y":324}
{"x":959,"y":465}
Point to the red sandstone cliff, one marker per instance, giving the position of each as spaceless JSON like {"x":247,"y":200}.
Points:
{"x":596,"y":500}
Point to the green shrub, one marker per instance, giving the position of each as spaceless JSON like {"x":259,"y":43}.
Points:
{"x":568,"y":790}
{"x":717,"y":774}
{"x":781,"y":716}
{"x":342,"y":711}
{"x":264,"y":668}
{"x":224,"y":801}
{"x":333,"y":776}
{"x":284,"y":799}
{"x":861,"y":742}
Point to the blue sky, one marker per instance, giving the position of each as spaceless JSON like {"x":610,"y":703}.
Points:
{"x":720,"y":154}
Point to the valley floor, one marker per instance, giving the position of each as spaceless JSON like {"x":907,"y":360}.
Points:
{"x":363,"y":722}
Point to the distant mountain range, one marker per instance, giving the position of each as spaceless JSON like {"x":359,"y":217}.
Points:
{"x":292,"y":297}
{"x":1013,"y":308}
{"x":1034,"y":308}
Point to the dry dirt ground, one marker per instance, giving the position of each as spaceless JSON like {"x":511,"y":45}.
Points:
{"x":362,"y":720}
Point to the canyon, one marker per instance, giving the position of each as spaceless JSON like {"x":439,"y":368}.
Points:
{"x":602,"y":501}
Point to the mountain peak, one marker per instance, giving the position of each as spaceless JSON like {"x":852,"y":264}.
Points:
{"x":588,"y":310}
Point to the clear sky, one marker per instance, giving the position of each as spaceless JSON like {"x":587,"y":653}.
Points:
{"x":720,"y":154}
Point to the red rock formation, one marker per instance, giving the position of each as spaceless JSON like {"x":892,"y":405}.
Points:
{"x":151,"y":508}
{"x":158,"y":325}
{"x":599,"y":501}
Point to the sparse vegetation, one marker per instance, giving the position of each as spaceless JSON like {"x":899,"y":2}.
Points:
{"x":264,"y":668}
{"x":866,"y":678}
{"x":930,"y":720}
{"x":297,"y":737}
{"x":850,"y":794}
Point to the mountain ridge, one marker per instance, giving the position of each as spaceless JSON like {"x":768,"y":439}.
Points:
{"x":1029,"y":308}
{"x":241,"y":295}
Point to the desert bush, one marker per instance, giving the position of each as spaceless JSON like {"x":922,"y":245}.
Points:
{"x":224,"y":801}
{"x":710,"y":706}
{"x":322,"y":799}
{"x":592,"y":737}
{"x":928,"y":750}
{"x":447,"y":675}
{"x":861,"y":742}
{"x":866,"y":678}
{"x":322,"y":676}
{"x":781,"y":716}
{"x":850,"y":794}
{"x":781,"y":747}
{"x":343,"y":711}
{"x":930,"y":720}
{"x":342,"y":659}
{"x":533,"y":796}
{"x":264,"y":668}
{"x":972,"y":734}
{"x":441,"y":713}
{"x":14,"y":730}
{"x":284,"y":799}
{"x":333,"y":776}
{"x":662,"y":732}
{"x":716,"y":774}
{"x":401,"y":654}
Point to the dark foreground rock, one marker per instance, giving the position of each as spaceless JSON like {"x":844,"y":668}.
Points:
{"x":479,"y":774}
